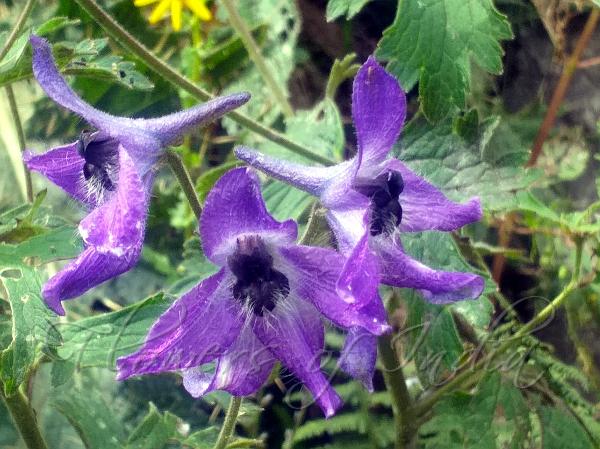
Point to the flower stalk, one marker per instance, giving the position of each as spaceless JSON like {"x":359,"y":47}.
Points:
{"x":229,"y":423}
{"x":21,"y":136}
{"x":185,"y":180}
{"x":24,"y":418}
{"x":404,"y":416}
{"x":237,"y":23}
{"x":117,"y":32}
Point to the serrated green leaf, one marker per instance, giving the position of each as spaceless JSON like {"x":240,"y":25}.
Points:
{"x":433,"y":42}
{"x":32,"y":321}
{"x":560,"y":430}
{"x":495,"y":413}
{"x":154,"y":431}
{"x":349,"y":8}
{"x":463,"y":167}
{"x":99,"y":340}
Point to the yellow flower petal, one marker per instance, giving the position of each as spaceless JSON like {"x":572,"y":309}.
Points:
{"x":198,"y":7}
{"x":176,"y":14}
{"x":159,"y":11}
{"x":140,"y":3}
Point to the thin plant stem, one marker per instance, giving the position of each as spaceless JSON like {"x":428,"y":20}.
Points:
{"x":426,"y":404}
{"x":117,"y":32}
{"x":229,"y":423}
{"x":14,"y":33}
{"x":242,"y":30}
{"x":563,"y":84}
{"x":24,"y":418}
{"x":183,"y":176}
{"x":402,"y":407}
{"x":21,"y":136}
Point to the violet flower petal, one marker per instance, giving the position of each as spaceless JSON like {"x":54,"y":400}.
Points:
{"x":63,"y":166}
{"x":293,"y":332}
{"x":113,"y":234}
{"x":119,"y":223}
{"x":359,"y":356}
{"x":378,"y":111}
{"x":359,"y":279}
{"x":311,"y":271}
{"x":438,"y":287}
{"x":90,"y":269}
{"x":425,"y":208}
{"x":241,"y":371}
{"x":359,"y":353}
{"x":235,"y":207}
{"x":196,"y":329}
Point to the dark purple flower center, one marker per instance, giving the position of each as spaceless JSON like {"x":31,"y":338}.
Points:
{"x":257,"y":284}
{"x":384,"y":192}
{"x":101,"y":158}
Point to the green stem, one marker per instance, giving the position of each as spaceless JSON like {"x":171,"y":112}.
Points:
{"x":463,"y":377}
{"x":229,"y":423}
{"x":246,"y":442}
{"x":404,"y":417}
{"x":183,"y":176}
{"x":242,"y":30}
{"x":21,"y":136}
{"x":17,"y":28}
{"x":24,"y":418}
{"x":117,"y":32}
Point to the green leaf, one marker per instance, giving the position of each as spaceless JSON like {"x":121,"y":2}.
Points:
{"x":93,"y":419}
{"x":154,"y":431}
{"x":495,"y":414}
{"x":466,"y":164}
{"x":203,"y":439}
{"x":560,"y":430}
{"x":319,"y":128}
{"x":349,"y":8}
{"x":434,"y":41}
{"x":99,"y":340}
{"x":32,"y":321}
{"x":55,"y":24}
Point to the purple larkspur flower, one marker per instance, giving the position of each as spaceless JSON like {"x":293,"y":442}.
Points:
{"x":110,"y":170}
{"x":371,"y":199}
{"x":264,"y":304}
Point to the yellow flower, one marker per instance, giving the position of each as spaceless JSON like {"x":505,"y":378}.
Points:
{"x":198,"y":7}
